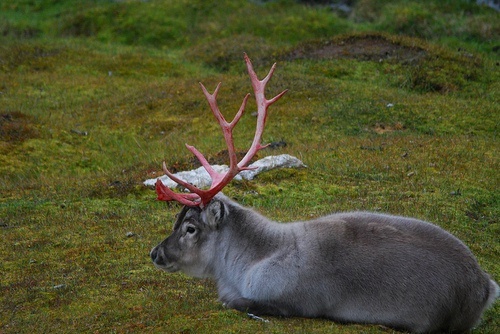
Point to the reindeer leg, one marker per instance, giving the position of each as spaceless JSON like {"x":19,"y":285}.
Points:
{"x":255,"y":307}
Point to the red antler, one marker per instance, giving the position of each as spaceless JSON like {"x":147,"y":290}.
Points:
{"x":220,"y":180}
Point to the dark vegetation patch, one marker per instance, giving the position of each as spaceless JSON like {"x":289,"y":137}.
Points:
{"x":8,"y":29}
{"x":425,"y":67}
{"x":35,"y":57}
{"x":16,"y":127}
{"x":225,"y":53}
{"x":131,"y":23}
{"x":119,"y":186}
{"x":127,"y":183}
{"x":484,"y":208}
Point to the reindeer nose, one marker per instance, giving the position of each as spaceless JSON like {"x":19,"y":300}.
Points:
{"x":154,"y":254}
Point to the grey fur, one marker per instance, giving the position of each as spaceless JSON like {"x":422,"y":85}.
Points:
{"x":356,"y":267}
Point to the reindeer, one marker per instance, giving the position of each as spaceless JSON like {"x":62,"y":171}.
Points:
{"x":354,"y":267}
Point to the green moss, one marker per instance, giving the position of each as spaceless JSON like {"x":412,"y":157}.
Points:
{"x":393,"y":109}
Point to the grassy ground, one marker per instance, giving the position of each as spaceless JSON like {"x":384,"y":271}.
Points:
{"x":393,"y":107}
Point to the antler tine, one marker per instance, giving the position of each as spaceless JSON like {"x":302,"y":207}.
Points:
{"x":227,"y":128}
{"x":220,"y":180}
{"x":166,"y":194}
{"x":259,"y":87}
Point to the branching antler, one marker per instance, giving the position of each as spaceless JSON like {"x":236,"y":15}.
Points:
{"x":220,"y":180}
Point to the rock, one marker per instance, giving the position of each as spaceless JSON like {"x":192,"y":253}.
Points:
{"x":200,"y":178}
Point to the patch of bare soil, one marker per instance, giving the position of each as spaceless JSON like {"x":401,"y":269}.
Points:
{"x":381,"y":128}
{"x":364,"y":47}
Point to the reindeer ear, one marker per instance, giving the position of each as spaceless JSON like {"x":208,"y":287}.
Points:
{"x":214,"y":212}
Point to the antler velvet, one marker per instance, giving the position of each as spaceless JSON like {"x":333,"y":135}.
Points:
{"x":199,"y":197}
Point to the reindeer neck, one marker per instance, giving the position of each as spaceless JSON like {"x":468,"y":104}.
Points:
{"x":248,"y":237}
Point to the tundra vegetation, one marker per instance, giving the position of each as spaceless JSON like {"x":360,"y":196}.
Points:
{"x":393,"y":107}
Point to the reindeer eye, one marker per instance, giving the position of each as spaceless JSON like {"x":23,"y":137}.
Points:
{"x":190,"y":229}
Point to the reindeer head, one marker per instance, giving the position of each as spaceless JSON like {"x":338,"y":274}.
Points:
{"x":190,"y":247}
{"x":201,"y":198}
